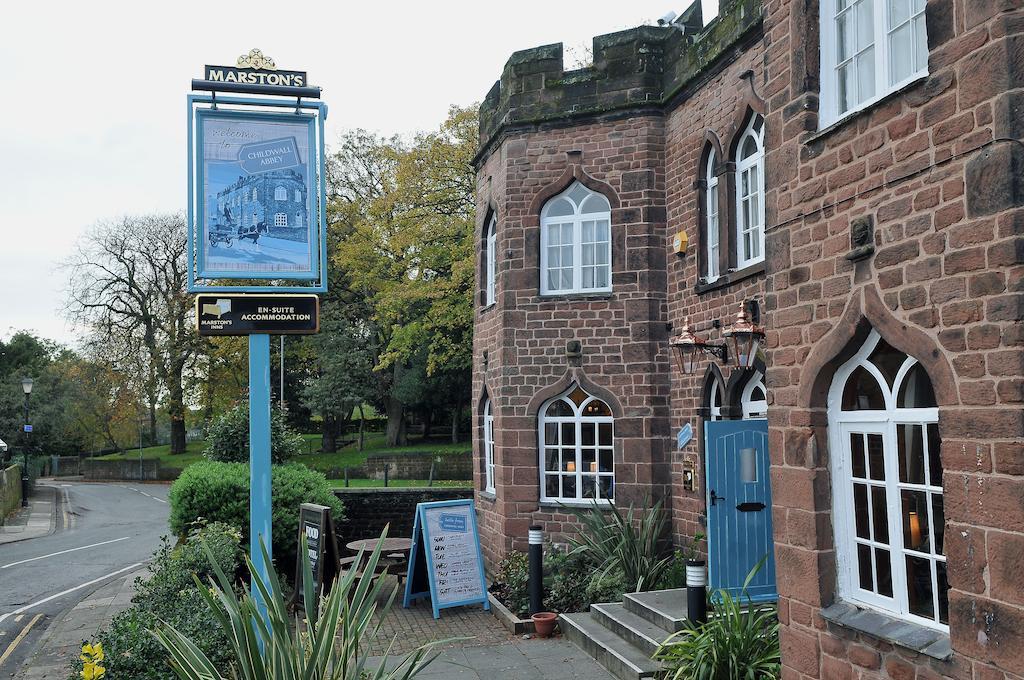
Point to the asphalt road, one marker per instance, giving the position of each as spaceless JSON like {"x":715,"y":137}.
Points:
{"x":102,"y":530}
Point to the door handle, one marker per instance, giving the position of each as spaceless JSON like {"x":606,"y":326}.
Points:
{"x":715,"y":497}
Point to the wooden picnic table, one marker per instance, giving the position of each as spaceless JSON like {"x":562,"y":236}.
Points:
{"x":390,"y":545}
{"x":394,"y":555}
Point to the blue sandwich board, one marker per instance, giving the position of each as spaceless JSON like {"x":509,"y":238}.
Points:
{"x":445,"y":563}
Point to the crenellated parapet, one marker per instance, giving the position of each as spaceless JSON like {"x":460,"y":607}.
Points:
{"x":646,"y":66}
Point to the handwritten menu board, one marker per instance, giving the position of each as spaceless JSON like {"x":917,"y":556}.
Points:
{"x":445,"y":563}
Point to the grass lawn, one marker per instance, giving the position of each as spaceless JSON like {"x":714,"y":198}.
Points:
{"x":193,"y":453}
{"x":332,"y":464}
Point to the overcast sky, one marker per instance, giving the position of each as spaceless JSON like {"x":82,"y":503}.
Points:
{"x":94,"y":98}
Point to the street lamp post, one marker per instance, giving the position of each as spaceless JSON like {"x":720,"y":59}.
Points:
{"x":26,"y":386}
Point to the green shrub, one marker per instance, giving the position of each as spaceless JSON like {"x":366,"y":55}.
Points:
{"x":567,"y":575}
{"x":511,"y":585}
{"x":171,"y":596}
{"x":219,"y":492}
{"x":227,"y":438}
{"x":738,"y":641}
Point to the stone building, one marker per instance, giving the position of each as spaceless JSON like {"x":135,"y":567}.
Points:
{"x":849,"y":175}
{"x":276,"y":199}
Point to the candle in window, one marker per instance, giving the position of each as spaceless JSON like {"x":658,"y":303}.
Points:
{"x":570,"y":466}
{"x":593,"y":466}
{"x":915,"y":531}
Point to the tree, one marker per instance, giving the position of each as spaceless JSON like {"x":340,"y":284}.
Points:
{"x":127,"y":284}
{"x":406,"y":246}
{"x":344,"y":373}
{"x":27,"y":356}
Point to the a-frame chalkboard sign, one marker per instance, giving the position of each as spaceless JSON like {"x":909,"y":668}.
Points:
{"x":316,"y":526}
{"x":445,"y":562}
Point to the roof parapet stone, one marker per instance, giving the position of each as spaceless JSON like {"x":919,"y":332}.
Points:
{"x":636,"y":67}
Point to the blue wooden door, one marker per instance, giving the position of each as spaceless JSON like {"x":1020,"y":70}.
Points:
{"x":739,"y":505}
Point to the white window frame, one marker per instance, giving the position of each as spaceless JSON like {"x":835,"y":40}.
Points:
{"x":715,"y":400}
{"x":488,"y":448}
{"x":254,"y":194}
{"x":829,"y":113}
{"x":575,"y":221}
{"x":754,"y":164}
{"x":298,"y":196}
{"x":757,"y":409}
{"x":578,"y":419}
{"x":280,"y":219}
{"x":883,"y":423}
{"x":492,"y":260}
{"x":712,"y":235}
{"x":280,"y":193}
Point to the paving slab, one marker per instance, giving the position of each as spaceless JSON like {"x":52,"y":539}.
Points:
{"x":33,"y":521}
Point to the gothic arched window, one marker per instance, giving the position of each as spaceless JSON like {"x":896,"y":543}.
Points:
{"x":750,"y":195}
{"x":576,"y":449}
{"x":576,"y":243}
{"x":887,"y":485}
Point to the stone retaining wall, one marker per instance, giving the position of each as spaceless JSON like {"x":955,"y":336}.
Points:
{"x":151,"y":470}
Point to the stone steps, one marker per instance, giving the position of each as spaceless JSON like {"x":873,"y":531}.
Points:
{"x":623,"y":636}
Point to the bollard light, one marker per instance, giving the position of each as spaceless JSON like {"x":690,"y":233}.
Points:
{"x":536,"y":578}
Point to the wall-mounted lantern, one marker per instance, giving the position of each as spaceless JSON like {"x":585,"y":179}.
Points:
{"x":746,"y":338}
{"x":687,"y":348}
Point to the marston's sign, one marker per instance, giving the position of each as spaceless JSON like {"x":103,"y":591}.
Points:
{"x":256,"y":68}
{"x":239,"y":314}
{"x":248,"y":76}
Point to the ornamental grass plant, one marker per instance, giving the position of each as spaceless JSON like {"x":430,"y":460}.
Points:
{"x":267,"y":642}
{"x":632,"y":545}
{"x":740,"y":641}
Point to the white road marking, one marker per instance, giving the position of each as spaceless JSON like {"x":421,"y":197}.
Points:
{"x":62,"y":593}
{"x":132,"y":488}
{"x":62,"y":552}
{"x":21,"y":636}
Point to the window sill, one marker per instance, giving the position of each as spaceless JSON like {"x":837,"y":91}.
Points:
{"x":573,"y":505}
{"x":487,"y":308}
{"x":729,"y":278}
{"x":597,"y":295}
{"x":843,"y":120}
{"x":913,"y":636}
{"x":487,"y":496}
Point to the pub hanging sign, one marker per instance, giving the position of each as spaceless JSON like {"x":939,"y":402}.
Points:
{"x":255,"y":68}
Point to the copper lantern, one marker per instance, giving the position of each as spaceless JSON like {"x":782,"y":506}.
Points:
{"x":746,"y":338}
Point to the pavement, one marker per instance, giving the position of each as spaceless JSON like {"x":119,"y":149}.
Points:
{"x":481,"y":648}
{"x":62,"y":641}
{"x":95,"y":536}
{"x":32,"y":521}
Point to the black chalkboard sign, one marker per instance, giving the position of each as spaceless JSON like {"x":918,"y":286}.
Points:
{"x":317,"y":527}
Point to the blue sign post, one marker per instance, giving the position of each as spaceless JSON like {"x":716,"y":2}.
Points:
{"x":259,"y":454}
{"x":256,"y":213}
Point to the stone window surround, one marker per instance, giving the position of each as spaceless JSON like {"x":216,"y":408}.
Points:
{"x":576,"y":220}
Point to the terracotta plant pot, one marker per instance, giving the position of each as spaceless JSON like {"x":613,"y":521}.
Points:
{"x":544,"y":623}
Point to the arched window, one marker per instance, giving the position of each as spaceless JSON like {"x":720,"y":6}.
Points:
{"x":754,"y":399}
{"x":887,"y":485}
{"x":298,"y":196}
{"x":750,"y":195}
{"x":711,"y":235}
{"x":254,"y":194}
{"x":281,"y":220}
{"x":298,"y":219}
{"x":280,"y":193}
{"x":576,"y":450}
{"x":488,"y":448}
{"x":576,"y":244}
{"x":492,"y":259}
